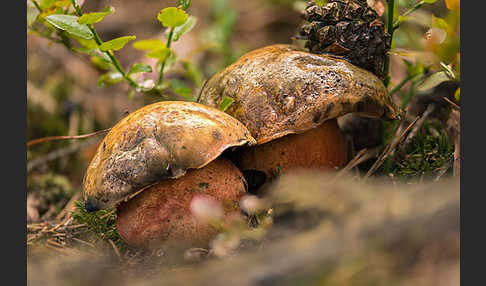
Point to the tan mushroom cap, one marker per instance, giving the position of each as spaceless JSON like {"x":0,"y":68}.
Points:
{"x":279,"y":90}
{"x":158,"y":141}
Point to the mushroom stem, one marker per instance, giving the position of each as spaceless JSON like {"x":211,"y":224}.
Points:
{"x":322,"y":147}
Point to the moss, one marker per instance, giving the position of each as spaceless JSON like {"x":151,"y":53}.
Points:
{"x":426,"y":155}
{"x":101,"y":223}
{"x":50,"y":189}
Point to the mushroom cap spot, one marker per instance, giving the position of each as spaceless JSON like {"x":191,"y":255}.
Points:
{"x":159,"y":141}
{"x":279,"y":90}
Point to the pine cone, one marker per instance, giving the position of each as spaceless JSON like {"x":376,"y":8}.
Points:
{"x":349,"y":29}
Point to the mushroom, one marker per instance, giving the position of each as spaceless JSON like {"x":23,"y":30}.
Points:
{"x":154,"y":161}
{"x":289,"y":100}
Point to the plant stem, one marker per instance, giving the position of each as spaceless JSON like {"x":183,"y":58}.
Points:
{"x":110,"y":54}
{"x":401,"y":84}
{"x":37,"y":6}
{"x":162,"y":66}
{"x":410,"y":94}
{"x":390,"y":29}
{"x":410,"y":11}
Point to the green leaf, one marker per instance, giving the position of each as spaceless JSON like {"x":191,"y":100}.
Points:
{"x":433,"y":81}
{"x":184,"y":28}
{"x":440,"y":23}
{"x":225,"y":103}
{"x":172,"y":17}
{"x":109,"y":79}
{"x":184,"y":91}
{"x":116,"y":44}
{"x":448,"y":70}
{"x":109,"y":10}
{"x":184,"y":4}
{"x":160,"y":54}
{"x":402,"y":19}
{"x":90,"y":44}
{"x":140,"y":67}
{"x":70,"y":24}
{"x":62,"y":3}
{"x":457,"y":94}
{"x":96,"y":53}
{"x":429,"y":1}
{"x":100,"y":62}
{"x":91,"y":18}
{"x":46,"y":4}
{"x":453,"y":4}
{"x":95,"y":17}
{"x":147,"y":45}
{"x":101,"y":55}
{"x":320,"y":3}
{"x":180,"y":88}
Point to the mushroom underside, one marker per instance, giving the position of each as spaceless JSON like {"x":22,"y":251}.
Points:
{"x":322,"y":147}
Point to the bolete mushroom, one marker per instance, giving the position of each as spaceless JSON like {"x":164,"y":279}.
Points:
{"x":289,"y":99}
{"x":155,"y":160}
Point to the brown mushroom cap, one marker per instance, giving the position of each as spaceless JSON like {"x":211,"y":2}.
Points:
{"x":156,"y":142}
{"x":279,"y":90}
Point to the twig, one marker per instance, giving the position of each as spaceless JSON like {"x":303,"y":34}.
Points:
{"x":83,"y":242}
{"x":58,"y":154}
{"x":457,"y":156}
{"x":52,"y":138}
{"x":65,"y":212}
{"x":351,"y":164}
{"x":455,"y":106}
{"x":443,"y":170}
{"x":76,"y":226}
{"x":54,"y":243}
{"x":117,"y":252}
{"x":389,"y":149}
{"x":359,"y":158}
{"x":420,"y":123}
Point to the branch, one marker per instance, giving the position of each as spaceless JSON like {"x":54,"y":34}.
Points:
{"x":52,"y":138}
{"x":58,"y":154}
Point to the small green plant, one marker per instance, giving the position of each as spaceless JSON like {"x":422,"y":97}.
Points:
{"x":426,"y":155}
{"x":430,"y":58}
{"x":437,"y":59}
{"x":101,"y":223}
{"x":64,"y":22}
